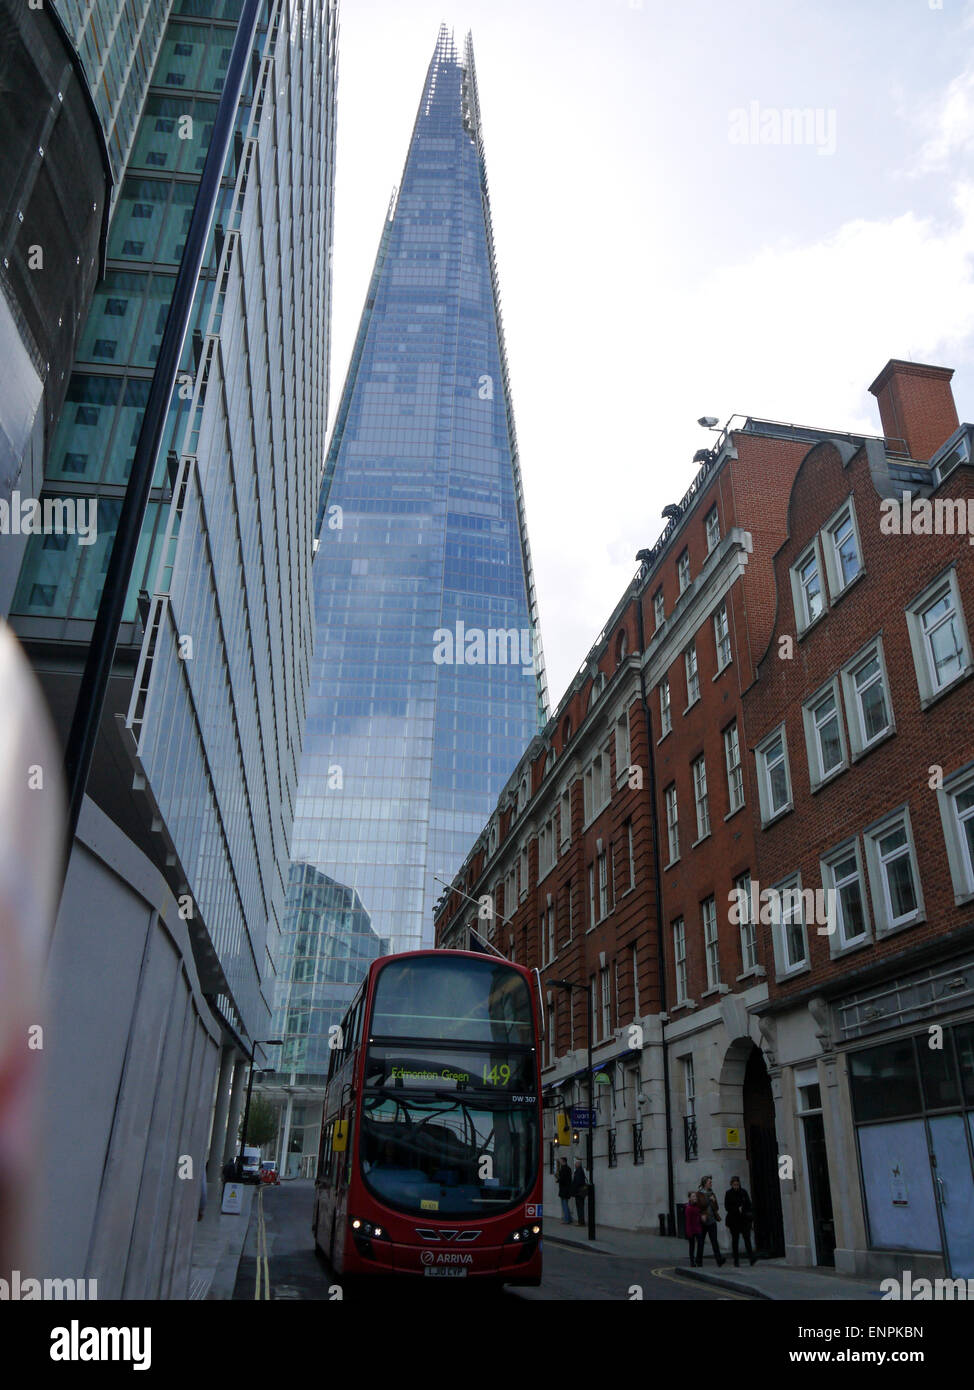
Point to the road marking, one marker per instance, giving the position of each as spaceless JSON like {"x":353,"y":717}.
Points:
{"x":262,"y":1264}
{"x":672,"y":1274}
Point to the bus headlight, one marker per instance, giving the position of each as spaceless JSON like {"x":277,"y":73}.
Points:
{"x":366,"y":1230}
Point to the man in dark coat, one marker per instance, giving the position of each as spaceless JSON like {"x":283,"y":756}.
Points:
{"x":565,"y":1191}
{"x":737,"y":1205}
{"x":579,"y":1189}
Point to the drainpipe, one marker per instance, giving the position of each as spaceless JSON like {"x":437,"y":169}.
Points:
{"x":660,"y":958}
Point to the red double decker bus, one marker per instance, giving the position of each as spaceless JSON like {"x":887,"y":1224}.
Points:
{"x":430,"y":1157}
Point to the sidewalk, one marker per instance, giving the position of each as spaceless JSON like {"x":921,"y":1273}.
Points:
{"x":772,"y":1279}
{"x":217,"y":1246}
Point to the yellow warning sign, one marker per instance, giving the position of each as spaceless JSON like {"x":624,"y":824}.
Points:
{"x":734,"y":1137}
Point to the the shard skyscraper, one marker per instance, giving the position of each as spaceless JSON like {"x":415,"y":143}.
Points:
{"x":427,"y":676}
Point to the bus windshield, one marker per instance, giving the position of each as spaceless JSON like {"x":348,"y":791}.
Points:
{"x":448,"y":1156}
{"x":449,"y":1121}
{"x":452,"y":999}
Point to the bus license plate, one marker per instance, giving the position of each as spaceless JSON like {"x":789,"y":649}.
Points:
{"x":445,"y":1272}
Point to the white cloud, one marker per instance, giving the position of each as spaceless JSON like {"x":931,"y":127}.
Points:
{"x":796,"y":333}
{"x":951,"y":125}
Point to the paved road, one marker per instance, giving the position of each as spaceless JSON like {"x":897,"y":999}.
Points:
{"x":279,"y":1262}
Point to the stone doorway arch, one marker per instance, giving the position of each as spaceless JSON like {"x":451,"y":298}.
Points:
{"x":746,"y":1102}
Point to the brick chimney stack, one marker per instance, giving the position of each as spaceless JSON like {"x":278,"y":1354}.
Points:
{"x":916,"y":404}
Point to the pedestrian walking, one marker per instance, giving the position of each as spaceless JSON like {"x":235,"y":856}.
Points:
{"x":740,"y":1214}
{"x":565,"y":1191}
{"x":710,"y":1211}
{"x":693,"y":1226}
{"x":579,"y":1190}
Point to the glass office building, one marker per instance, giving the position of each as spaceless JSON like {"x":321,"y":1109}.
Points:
{"x":427,"y":678}
{"x":198,"y":755}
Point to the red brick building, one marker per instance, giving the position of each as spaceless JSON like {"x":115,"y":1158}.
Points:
{"x":860,"y":735}
{"x":578,"y":864}
{"x":630,"y":847}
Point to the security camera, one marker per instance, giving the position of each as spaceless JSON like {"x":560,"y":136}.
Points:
{"x":708,"y":421}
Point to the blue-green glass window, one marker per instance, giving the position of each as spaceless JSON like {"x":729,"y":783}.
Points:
{"x":135,"y":237}
{"x":112,"y":318}
{"x":85,"y":427}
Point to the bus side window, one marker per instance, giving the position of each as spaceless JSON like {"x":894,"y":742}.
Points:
{"x":325,"y":1159}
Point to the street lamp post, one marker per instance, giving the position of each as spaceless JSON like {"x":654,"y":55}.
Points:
{"x":258,"y":1042}
{"x":570,"y":985}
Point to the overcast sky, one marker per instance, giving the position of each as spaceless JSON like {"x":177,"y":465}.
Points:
{"x":660,"y":256}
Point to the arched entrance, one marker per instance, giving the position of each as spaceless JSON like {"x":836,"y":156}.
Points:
{"x":762,"y":1156}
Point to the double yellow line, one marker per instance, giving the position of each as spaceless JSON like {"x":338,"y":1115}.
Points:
{"x":262,"y":1265}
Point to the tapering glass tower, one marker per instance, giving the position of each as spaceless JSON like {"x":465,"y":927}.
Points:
{"x":427,"y":677}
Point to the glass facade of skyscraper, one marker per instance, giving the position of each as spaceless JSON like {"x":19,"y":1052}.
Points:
{"x":117,"y":42}
{"x":219,"y":640}
{"x":427,"y":677}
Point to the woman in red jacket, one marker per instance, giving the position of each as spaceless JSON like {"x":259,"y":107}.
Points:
{"x":693,"y":1222}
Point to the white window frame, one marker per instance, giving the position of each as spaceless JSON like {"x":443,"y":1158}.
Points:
{"x":803,"y":616}
{"x":689,"y":1086}
{"x":591,"y":896}
{"x":711,"y":945}
{"x":683,"y":570}
{"x":878,"y":878}
{"x":735,"y":770}
{"x":692,"y":673}
{"x":839,"y":940}
{"x":722,"y":642}
{"x":623,"y":747}
{"x":524,"y":874}
{"x":855,"y":720}
{"x":665,"y":707}
{"x":602,"y":871}
{"x":548,"y":846}
{"x":960,"y":851}
{"x":784,"y":968}
{"x":701,"y":799}
{"x":672,"y":822}
{"x":768,"y":812}
{"x":680,"y":959}
{"x":597,"y":785}
{"x":551,"y":931}
{"x":748,"y":927}
{"x":635,"y":982}
{"x":565,"y":819}
{"x":817,"y":774}
{"x":605,"y":991}
{"x":930,"y":689}
{"x":712,"y":528}
{"x":833,"y":568}
{"x":632,"y":854}
{"x":659,"y":611}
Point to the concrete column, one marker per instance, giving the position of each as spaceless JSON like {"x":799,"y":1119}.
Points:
{"x":236,"y":1106}
{"x":282,"y":1165}
{"x":218,"y":1136}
